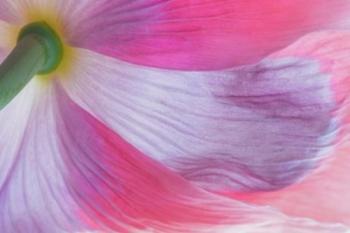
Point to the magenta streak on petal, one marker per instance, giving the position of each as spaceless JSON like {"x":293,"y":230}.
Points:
{"x":120,"y":188}
{"x":257,"y":127}
{"x":199,"y":34}
{"x":71,"y":173}
{"x":119,"y":185}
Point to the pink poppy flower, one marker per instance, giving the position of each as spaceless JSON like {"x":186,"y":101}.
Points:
{"x":174,"y":116}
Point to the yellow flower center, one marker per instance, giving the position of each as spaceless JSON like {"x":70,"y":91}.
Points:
{"x":55,"y":22}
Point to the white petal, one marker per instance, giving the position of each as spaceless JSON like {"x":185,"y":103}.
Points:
{"x":33,"y":194}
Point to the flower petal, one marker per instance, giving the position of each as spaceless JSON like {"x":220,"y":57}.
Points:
{"x":324,"y":195}
{"x":181,"y":34}
{"x":5,"y":39}
{"x":32,"y":187}
{"x":258,"y":127}
{"x":201,"y":34}
{"x":14,"y":118}
{"x":69,"y":173}
{"x":62,"y":15}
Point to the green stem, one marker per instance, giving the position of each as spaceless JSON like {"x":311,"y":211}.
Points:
{"x":38,"y":51}
{"x":23,"y":63}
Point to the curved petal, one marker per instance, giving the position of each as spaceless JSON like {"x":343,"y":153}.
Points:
{"x":201,"y":34}
{"x":69,"y":173}
{"x":33,"y":194}
{"x":14,"y":118}
{"x":324,"y":195}
{"x":258,"y":127}
{"x":181,"y":34}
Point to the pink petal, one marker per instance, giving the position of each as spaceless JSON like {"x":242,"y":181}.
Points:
{"x":201,"y":34}
{"x":324,"y":196}
{"x":257,"y":127}
{"x":64,"y":171}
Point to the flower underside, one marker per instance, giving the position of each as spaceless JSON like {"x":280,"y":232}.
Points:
{"x":174,"y":116}
{"x":39,"y":51}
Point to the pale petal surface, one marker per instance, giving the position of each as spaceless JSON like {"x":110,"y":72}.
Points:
{"x":33,"y":196}
{"x":257,"y":127}
{"x":72,"y":174}
{"x":15,"y":11}
{"x":325,"y":195}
